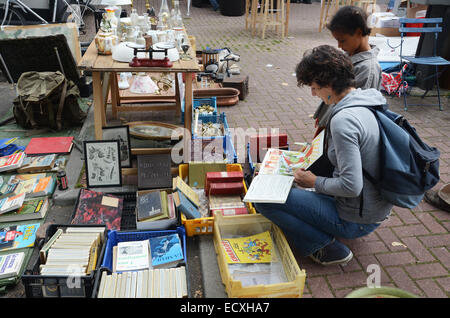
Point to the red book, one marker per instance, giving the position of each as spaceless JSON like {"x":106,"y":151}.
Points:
{"x":226,"y":188}
{"x":230,"y":211}
{"x":49,"y":145}
{"x":222,"y":177}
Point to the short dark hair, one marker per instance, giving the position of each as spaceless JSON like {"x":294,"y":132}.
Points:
{"x":348,"y":19}
{"x":326,"y":65}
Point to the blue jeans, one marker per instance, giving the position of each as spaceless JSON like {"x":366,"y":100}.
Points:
{"x":310,"y":220}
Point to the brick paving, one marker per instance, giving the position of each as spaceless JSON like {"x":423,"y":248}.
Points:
{"x":412,"y":247}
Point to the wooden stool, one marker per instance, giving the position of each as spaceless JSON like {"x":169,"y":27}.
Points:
{"x":273,"y":17}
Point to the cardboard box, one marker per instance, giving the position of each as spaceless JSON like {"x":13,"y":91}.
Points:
{"x":385,"y":31}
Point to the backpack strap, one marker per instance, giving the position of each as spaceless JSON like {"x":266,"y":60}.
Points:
{"x":61,"y":106}
{"x":365,"y":173}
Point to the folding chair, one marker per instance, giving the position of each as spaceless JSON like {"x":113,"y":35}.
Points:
{"x":433,"y":60}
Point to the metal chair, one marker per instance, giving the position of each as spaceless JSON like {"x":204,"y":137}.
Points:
{"x":433,"y":60}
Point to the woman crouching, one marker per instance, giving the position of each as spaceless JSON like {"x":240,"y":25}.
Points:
{"x":346,"y":205}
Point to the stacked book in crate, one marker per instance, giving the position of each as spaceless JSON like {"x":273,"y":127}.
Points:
{"x":144,"y":264}
{"x":216,"y":188}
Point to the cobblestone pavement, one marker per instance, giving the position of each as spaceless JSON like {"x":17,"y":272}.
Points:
{"x":421,"y":263}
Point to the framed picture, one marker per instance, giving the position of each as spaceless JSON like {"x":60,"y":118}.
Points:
{"x":121,"y":133}
{"x":102,"y":162}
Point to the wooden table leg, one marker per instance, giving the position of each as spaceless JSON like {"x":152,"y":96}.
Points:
{"x":99,"y":110}
{"x":177,"y":97}
{"x":114,"y":94}
{"x":187,"y":116}
{"x":288,"y":8}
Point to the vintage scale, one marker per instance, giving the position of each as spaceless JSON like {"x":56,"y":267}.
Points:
{"x":150,"y":62}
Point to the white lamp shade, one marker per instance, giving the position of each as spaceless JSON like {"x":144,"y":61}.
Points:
{"x":116,"y":2}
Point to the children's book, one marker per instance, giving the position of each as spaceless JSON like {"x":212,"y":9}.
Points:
{"x":12,"y":162}
{"x":166,"y":251}
{"x":285,"y":162}
{"x":98,"y":208}
{"x":18,"y":236}
{"x":256,"y":248}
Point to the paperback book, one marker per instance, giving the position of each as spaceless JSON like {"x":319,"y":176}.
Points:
{"x":18,"y":236}
{"x":10,"y":264}
{"x":131,"y":256}
{"x":11,"y":203}
{"x":12,"y":162}
{"x":37,"y":164}
{"x":32,"y":209}
{"x":166,"y":251}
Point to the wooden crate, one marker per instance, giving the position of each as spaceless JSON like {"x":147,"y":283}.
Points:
{"x":248,"y":225}
{"x":202,"y":226}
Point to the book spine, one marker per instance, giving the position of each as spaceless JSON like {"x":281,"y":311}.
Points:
{"x":226,"y":188}
{"x":186,"y":207}
{"x":222,"y":177}
{"x":230,"y":211}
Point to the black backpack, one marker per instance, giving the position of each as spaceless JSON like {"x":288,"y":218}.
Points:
{"x":408,"y":166}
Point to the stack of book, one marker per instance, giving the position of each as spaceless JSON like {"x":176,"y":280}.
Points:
{"x":156,"y":252}
{"x":73,"y":251}
{"x":155,"y":209}
{"x":186,"y":199}
{"x":224,"y":190}
{"x":149,"y":283}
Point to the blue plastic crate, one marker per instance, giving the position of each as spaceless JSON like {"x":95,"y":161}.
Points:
{"x":115,"y":237}
{"x":222,"y":119}
{"x":210,"y":101}
{"x":197,"y":102}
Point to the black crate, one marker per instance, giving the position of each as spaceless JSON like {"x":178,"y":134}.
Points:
{"x":38,"y":286}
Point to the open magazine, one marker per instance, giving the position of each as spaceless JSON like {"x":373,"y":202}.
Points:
{"x":275,"y":178}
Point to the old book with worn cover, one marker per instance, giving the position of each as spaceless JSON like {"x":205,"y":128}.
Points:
{"x":98,"y":208}
{"x":224,"y":176}
{"x":226,"y":188}
{"x":180,"y":185}
{"x":185,"y":206}
{"x":149,"y":205}
{"x":49,"y":145}
{"x":154,"y":171}
{"x":38,"y":163}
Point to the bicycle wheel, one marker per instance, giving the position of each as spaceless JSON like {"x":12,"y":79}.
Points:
{"x":13,"y":17}
{"x":84,"y":16}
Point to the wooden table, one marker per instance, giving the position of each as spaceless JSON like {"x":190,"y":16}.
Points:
{"x":103,"y":66}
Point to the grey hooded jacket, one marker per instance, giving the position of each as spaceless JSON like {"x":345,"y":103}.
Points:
{"x":353,"y":143}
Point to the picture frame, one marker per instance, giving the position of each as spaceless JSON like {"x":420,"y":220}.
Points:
{"x":102,"y":163}
{"x":121,"y":133}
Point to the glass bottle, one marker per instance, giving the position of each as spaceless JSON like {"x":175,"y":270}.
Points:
{"x":177,"y":20}
{"x":134,"y":17}
{"x":164,"y":15}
